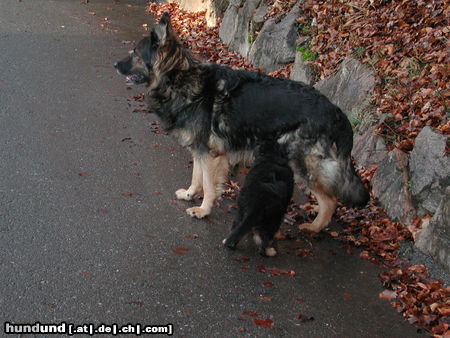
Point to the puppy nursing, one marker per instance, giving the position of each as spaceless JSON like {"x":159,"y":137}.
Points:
{"x":264,"y":198}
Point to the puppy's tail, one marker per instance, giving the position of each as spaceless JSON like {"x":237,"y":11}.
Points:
{"x":349,"y":189}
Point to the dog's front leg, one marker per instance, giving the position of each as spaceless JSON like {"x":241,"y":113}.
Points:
{"x":196,"y":184}
{"x":208,"y":167}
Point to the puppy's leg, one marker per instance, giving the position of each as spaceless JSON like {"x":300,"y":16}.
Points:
{"x":327,"y":206}
{"x":241,"y":226}
{"x":264,"y":242}
{"x":208,"y":166}
{"x":196,"y":184}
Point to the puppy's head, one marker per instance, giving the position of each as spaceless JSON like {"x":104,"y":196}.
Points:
{"x":138,"y":65}
{"x":270,"y":148}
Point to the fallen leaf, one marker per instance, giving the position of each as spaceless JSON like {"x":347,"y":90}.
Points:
{"x":87,"y":274}
{"x":268,"y":284}
{"x":388,"y":295}
{"x":180,"y":251}
{"x":244,"y":171}
{"x":241,"y":259}
{"x":267,"y":322}
{"x":266,"y":299}
{"x":347,"y":296}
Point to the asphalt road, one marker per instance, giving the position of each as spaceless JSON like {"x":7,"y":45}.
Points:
{"x":87,"y":217}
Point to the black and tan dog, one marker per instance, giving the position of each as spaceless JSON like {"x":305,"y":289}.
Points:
{"x":264,"y":198}
{"x":219,"y":114}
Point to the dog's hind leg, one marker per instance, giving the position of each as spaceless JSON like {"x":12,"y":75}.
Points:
{"x":196,"y":184}
{"x":327,"y":206}
{"x":208,"y":166}
{"x":322,"y":169}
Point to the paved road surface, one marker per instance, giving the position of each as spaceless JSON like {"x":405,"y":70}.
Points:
{"x":87,"y":226}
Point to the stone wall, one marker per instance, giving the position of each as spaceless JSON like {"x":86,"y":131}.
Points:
{"x":268,"y":44}
{"x":214,"y":8}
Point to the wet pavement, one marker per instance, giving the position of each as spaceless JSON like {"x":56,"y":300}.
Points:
{"x":89,"y":228}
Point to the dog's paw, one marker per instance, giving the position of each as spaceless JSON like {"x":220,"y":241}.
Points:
{"x":183,"y":194}
{"x":310,"y":227}
{"x":197,"y":212}
{"x":227,"y":244}
{"x":271,"y":252}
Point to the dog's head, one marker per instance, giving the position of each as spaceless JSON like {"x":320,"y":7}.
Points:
{"x":138,"y":65}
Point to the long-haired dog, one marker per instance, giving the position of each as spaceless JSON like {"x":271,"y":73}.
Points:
{"x":219,"y":114}
{"x":264,"y":198}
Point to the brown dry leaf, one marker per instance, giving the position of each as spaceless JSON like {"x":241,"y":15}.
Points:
{"x":267,"y":322}
{"x":180,"y":251}
{"x":268,"y":284}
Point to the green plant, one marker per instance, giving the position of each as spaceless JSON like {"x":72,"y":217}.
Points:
{"x":359,"y":51}
{"x":355,"y":118}
{"x":251,"y":37}
{"x":415,"y":66}
{"x":255,"y":27}
{"x":304,"y":28}
{"x":306,"y":53}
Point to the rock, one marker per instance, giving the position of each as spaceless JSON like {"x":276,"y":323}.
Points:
{"x":234,"y":29}
{"x":214,"y":8}
{"x":302,"y":71}
{"x":390,"y":186}
{"x":259,"y":16}
{"x":276,"y":42}
{"x":434,"y":238}
{"x":351,"y":87}
{"x":368,"y":148}
{"x":192,"y":5}
{"x":429,"y":170}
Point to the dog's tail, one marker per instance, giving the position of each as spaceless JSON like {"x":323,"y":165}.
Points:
{"x":349,"y":189}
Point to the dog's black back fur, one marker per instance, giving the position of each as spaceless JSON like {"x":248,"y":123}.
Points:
{"x":253,"y":106}
{"x":264,"y":198}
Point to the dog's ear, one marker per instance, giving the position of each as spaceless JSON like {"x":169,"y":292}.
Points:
{"x":163,"y":28}
{"x":165,"y":19}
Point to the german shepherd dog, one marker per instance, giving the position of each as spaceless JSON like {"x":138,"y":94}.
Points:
{"x":264,"y":198}
{"x":220,"y":114}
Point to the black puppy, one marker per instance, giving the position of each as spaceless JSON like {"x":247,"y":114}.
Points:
{"x":264,"y":198}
